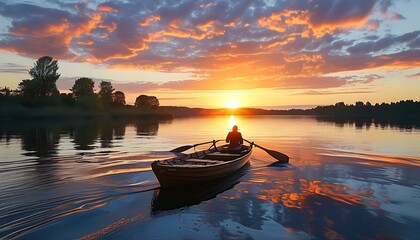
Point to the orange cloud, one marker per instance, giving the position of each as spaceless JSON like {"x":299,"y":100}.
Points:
{"x":88,"y":41}
{"x":156,"y":37}
{"x":86,"y":25}
{"x":320,"y":30}
{"x":41,"y":29}
{"x":206,"y":26}
{"x":147,"y":21}
{"x":302,"y":22}
{"x":207,"y":30}
{"x":285,"y":19}
{"x":109,"y":52}
{"x":108,"y":8}
{"x":109,"y":27}
{"x":206,"y":5}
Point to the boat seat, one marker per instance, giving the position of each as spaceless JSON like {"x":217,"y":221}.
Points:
{"x":222,"y":156}
{"x":202,"y":160}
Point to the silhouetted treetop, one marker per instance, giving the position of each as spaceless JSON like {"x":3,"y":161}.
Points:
{"x":29,"y":88}
{"x":144,"y":101}
{"x":83,"y":87}
{"x":119,"y":98}
{"x":44,"y":74}
{"x":106,"y":93}
{"x":5,"y":92}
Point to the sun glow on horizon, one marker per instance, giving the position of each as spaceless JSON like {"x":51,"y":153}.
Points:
{"x":233,"y":104}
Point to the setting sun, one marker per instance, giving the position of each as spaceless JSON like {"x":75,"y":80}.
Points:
{"x":233,"y":103}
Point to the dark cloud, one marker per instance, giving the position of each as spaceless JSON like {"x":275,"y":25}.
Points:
{"x":384,"y":43}
{"x":415,"y":43}
{"x":23,"y":11}
{"x":339,"y":11}
{"x":403,"y":59}
{"x":37,"y":47}
{"x":121,"y":39}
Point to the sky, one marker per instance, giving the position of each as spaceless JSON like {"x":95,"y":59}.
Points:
{"x":213,"y":54}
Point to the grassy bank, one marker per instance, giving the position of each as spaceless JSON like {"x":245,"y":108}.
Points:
{"x":18,"y":112}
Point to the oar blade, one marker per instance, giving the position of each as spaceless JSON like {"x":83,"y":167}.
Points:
{"x":181,"y":149}
{"x":281,"y":157}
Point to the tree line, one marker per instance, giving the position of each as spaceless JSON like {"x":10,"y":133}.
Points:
{"x":41,"y":90}
{"x":400,"y":109}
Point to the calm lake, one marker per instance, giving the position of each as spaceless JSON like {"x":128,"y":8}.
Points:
{"x":92,"y":179}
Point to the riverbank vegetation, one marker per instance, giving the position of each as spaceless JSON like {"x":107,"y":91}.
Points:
{"x":38,"y":98}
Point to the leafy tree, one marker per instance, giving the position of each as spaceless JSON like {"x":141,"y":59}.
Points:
{"x":5,"y":92}
{"x":119,"y":98}
{"x":106,"y":93}
{"x":83,"y":87}
{"x":154,"y":102}
{"x":45,"y":76}
{"x":29,"y":88}
{"x":359,"y":104}
{"x":340,"y":104}
{"x":146,"y":102}
{"x":84,"y":94}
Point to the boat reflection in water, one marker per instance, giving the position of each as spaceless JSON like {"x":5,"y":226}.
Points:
{"x":189,"y":195}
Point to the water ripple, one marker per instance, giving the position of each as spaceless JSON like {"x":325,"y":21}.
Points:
{"x":35,"y":192}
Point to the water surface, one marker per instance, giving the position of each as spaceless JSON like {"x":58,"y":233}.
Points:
{"x":92,"y":179}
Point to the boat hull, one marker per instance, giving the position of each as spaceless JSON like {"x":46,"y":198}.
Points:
{"x":170,"y":176}
{"x":188,"y":195}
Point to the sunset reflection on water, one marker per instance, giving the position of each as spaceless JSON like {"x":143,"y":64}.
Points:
{"x":342,"y":182}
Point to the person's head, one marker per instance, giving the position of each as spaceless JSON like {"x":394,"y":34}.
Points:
{"x":235,"y":128}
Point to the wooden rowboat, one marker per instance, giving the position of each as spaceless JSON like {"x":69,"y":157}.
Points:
{"x":202,"y":166}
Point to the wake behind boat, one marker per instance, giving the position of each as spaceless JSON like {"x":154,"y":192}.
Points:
{"x":202,"y":166}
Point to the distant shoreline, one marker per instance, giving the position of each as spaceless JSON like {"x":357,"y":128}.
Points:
{"x":401,"y":110}
{"x":17,"y":112}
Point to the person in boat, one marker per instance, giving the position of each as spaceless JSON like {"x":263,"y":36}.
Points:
{"x":235,"y":140}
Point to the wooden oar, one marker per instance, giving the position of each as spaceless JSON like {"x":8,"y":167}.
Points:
{"x":281,"y":157}
{"x":186,"y":147}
